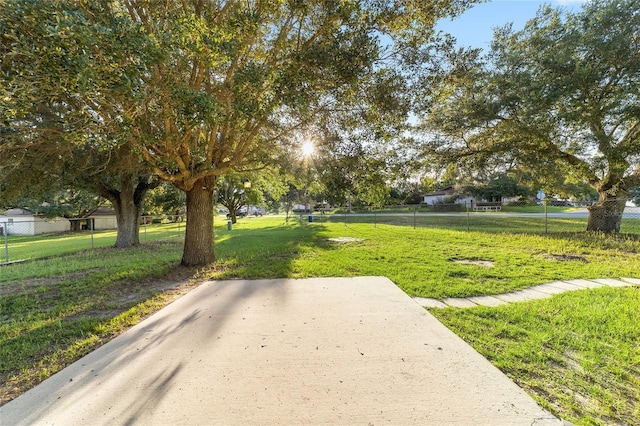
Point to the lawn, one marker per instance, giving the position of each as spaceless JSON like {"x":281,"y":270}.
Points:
{"x":54,"y":310}
{"x":493,"y":222}
{"x":576,"y":353}
{"x":421,"y":261}
{"x":29,"y":247}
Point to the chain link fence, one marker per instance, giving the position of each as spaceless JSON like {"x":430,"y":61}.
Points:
{"x":55,"y":237}
{"x":58,"y":236}
{"x":552,"y":216}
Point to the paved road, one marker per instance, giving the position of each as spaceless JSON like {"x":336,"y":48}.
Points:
{"x":318,"y":351}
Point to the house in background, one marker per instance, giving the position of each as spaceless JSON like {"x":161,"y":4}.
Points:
{"x":443,"y":195}
{"x":103,"y":218}
{"x":23,"y":222}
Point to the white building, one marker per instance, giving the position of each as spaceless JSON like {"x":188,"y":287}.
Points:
{"x":440,"y":197}
{"x":23,"y":222}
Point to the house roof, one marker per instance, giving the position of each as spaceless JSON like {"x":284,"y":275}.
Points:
{"x":104,"y":211}
{"x":444,"y":191}
{"x":18,"y":212}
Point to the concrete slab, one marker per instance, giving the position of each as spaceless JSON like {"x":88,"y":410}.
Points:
{"x":459,"y":302}
{"x":634,"y":281}
{"x":611,"y":282}
{"x":489,"y":301}
{"x":584,"y":283}
{"x":317,"y":351}
{"x":429,"y":303}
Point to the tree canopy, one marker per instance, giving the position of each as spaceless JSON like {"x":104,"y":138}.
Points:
{"x":66,"y":94}
{"x":352,"y":174}
{"x":561,"y":94}
{"x":196,"y":88}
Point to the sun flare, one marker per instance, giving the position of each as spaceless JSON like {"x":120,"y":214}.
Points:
{"x":308,"y":149}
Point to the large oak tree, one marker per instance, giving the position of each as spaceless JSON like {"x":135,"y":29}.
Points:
{"x":67,"y":90}
{"x":563,"y":93}
{"x":238,"y":77}
{"x":198,"y":88}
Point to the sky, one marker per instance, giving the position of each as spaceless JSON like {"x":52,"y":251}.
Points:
{"x":475,"y":27}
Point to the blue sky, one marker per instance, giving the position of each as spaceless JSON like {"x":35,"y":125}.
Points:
{"x":475,"y":26}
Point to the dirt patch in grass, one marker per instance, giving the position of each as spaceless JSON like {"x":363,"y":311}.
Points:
{"x":286,"y":255}
{"x":30,"y":284}
{"x":129,"y":293}
{"x":475,"y":262}
{"x":179,"y":275}
{"x":344,"y":240}
{"x":566,"y":257}
{"x":118,"y":299}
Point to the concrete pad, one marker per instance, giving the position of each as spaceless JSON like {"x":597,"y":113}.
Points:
{"x":317,"y":351}
{"x":429,"y":303}
{"x":634,"y":281}
{"x":489,"y":301}
{"x":611,"y":282}
{"x":584,"y":283}
{"x":459,"y":302}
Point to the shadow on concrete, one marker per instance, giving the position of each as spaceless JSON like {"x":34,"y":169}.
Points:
{"x":158,"y":389}
{"x":135,"y":348}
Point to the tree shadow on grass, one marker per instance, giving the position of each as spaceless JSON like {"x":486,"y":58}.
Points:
{"x":268,"y":252}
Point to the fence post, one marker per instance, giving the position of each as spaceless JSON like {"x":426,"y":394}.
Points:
{"x":144,"y":223}
{"x":546,"y":217}
{"x":91,"y":222}
{"x":467,"y":207}
{"x":6,"y":241}
{"x":415,"y":211}
{"x":179,"y":219}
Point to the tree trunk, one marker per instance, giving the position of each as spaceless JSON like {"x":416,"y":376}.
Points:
{"x":606,"y":214}
{"x":198,"y":239}
{"x":233,"y":216}
{"x":128,"y":203}
{"x":127,"y":214}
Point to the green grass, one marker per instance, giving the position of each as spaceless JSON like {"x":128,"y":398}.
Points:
{"x":538,"y":209}
{"x":576,"y":353}
{"x":479,"y":222}
{"x":448,"y":208}
{"x":30,"y":247}
{"x":34,"y":247}
{"x":56,"y":309}
{"x":421,"y":260}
